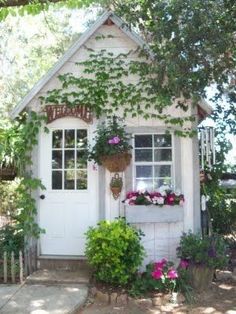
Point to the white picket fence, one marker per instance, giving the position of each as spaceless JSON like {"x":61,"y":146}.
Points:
{"x":13,"y":270}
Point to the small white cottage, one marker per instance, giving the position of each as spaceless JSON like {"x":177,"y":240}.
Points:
{"x":77,"y":193}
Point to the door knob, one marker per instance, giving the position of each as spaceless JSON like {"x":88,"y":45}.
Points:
{"x":42,"y":196}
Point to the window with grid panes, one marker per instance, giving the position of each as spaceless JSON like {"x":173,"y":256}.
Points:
{"x":69,"y":164}
{"x":153,"y":156}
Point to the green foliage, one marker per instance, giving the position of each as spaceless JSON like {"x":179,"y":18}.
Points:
{"x":24,"y":43}
{"x":114,"y":251}
{"x":8,"y":196}
{"x":221,"y":203}
{"x":11,"y":239}
{"x":17,"y":142}
{"x":193,"y":44}
{"x":102,"y":87}
{"x":26,"y":205}
{"x":105,"y":132}
{"x":210,"y":251}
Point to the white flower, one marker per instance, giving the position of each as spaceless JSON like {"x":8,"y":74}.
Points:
{"x":177,"y":192}
{"x":160,"y":200}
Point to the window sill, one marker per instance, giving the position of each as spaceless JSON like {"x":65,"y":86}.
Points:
{"x":153,"y":213}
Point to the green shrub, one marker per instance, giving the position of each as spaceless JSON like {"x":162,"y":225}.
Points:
{"x":114,"y":251}
{"x":210,"y":251}
{"x":11,"y":239}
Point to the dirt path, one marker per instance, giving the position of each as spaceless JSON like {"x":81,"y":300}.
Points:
{"x":219,"y":299}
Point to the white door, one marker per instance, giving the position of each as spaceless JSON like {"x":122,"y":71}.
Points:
{"x":69,"y":205}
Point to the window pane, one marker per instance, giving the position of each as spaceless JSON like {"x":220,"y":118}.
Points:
{"x":144,"y":184}
{"x":69,"y":159}
{"x":162,"y":155}
{"x":57,"y":180}
{"x":162,"y":171}
{"x":57,"y":139}
{"x":143,"y":140}
{"x":144,"y":172}
{"x":143,"y":154}
{"x":81,"y":138}
{"x":81,"y":180}
{"x":162,"y":140}
{"x":160,"y":182}
{"x":81,"y":159}
{"x":69,"y":138}
{"x":69,"y":180}
{"x":56,"y":159}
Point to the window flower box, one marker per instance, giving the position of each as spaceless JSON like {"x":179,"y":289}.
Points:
{"x":154,"y":213}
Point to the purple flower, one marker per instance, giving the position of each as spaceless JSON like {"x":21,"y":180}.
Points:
{"x":183,"y":264}
{"x":115,"y":140}
{"x":172,"y":274}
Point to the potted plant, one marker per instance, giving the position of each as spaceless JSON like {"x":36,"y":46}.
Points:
{"x":116,"y":185}
{"x":112,"y":146}
{"x":203,"y":255}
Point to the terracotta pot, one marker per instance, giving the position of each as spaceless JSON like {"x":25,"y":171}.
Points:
{"x":115,"y":191}
{"x":116,"y":163}
{"x":7,"y":173}
{"x":201,"y":277}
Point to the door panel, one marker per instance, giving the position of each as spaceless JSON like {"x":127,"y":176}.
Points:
{"x":67,"y":210}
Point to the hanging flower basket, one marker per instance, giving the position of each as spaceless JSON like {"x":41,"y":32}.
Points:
{"x":7,"y":173}
{"x":116,"y":163}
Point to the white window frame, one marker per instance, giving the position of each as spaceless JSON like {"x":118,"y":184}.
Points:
{"x":153,"y":163}
{"x":63,"y":169}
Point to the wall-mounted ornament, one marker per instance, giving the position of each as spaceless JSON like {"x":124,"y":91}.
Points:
{"x":116,"y":185}
{"x":55,"y":112}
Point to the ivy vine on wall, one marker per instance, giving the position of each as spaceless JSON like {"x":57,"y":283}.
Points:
{"x":17,"y":143}
{"x":104,"y":86}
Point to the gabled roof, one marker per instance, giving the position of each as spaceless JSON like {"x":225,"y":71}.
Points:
{"x":205,"y":108}
{"x":72,"y":50}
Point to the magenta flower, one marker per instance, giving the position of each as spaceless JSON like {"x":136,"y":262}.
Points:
{"x":160,"y":265}
{"x":157,"y":274}
{"x":172,"y":274}
{"x":115,"y":140}
{"x":170,"y":199}
{"x":183,"y":264}
{"x":131,"y":194}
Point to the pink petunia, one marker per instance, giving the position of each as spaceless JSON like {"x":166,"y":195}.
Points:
{"x":172,"y":274}
{"x":157,"y":274}
{"x":170,"y":199}
{"x":131,"y":194}
{"x":183,"y":264}
{"x":160,"y":265}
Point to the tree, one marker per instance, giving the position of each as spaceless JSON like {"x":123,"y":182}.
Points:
{"x":24,"y":43}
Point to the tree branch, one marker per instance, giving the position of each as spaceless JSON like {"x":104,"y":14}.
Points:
{"x":17,"y":3}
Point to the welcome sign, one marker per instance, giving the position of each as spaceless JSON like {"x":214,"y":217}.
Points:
{"x":55,"y":112}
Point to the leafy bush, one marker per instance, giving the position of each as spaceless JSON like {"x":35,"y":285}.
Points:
{"x":110,"y":139}
{"x":114,"y":251}
{"x":11,"y":239}
{"x":210,"y":250}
